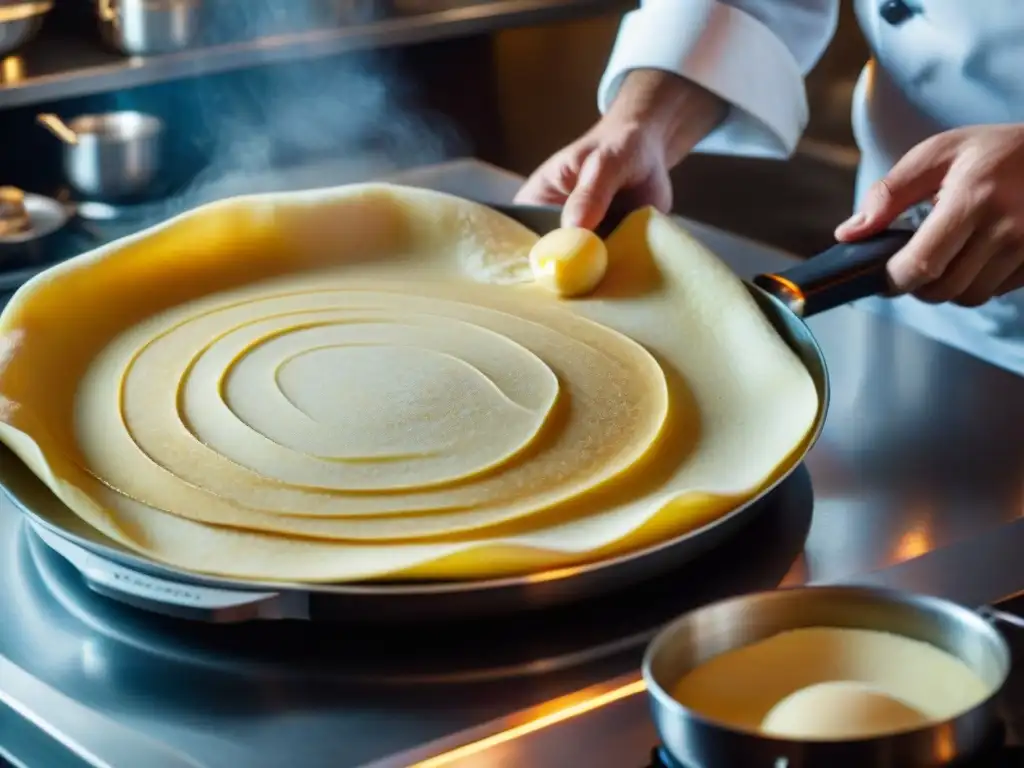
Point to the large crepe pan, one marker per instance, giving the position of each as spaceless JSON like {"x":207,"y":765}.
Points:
{"x":838,"y":276}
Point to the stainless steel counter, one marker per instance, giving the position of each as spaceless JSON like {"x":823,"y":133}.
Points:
{"x":57,"y":68}
{"x":922,"y":450}
{"x":612,"y":718}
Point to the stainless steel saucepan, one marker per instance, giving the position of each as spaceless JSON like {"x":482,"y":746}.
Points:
{"x":149,"y":27}
{"x":110,"y":156}
{"x":19,"y":22}
{"x":731,"y":624}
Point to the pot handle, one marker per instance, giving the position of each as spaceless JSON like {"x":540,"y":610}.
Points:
{"x":842,"y":274}
{"x":997,"y":617}
{"x":1012,"y":756}
{"x":57,"y":127}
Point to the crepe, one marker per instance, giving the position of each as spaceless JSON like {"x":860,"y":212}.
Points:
{"x":357,"y":383}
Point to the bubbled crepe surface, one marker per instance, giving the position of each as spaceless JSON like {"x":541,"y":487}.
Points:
{"x":356,"y":383}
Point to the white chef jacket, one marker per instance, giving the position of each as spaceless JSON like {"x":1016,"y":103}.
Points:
{"x":945,"y":63}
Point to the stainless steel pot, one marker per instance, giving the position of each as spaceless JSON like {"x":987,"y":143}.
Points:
{"x":19,"y":23}
{"x":110,"y":156}
{"x":148,"y":27}
{"x":707,"y":632}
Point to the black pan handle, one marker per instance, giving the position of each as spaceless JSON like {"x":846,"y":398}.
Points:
{"x":544,"y":218}
{"x":842,"y":274}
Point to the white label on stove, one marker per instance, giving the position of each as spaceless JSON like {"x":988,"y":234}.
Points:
{"x":142,"y":585}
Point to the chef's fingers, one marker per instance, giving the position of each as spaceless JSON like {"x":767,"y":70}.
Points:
{"x":655,"y":191}
{"x":931,"y":250}
{"x":915,"y":178}
{"x":1005,"y":257}
{"x":994,"y":279}
{"x":539,"y":194}
{"x":599,"y":180}
{"x":551,"y":183}
{"x":1014,"y":282}
{"x":984,"y":248}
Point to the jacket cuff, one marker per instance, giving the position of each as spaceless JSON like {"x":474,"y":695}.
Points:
{"x":729,"y":53}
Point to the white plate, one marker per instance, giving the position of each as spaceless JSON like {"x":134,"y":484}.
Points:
{"x":46,"y":215}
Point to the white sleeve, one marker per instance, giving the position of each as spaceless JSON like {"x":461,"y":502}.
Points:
{"x":751,"y":53}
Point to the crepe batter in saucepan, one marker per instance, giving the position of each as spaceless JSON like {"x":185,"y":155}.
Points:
{"x":832,"y":683}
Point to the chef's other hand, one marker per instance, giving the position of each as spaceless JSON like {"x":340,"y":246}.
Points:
{"x":654,"y":121}
{"x":970,"y":248}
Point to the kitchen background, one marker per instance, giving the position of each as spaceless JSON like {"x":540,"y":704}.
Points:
{"x":346,"y":87}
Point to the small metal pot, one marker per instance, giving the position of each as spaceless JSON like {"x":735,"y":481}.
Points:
{"x":149,"y":27}
{"x":19,"y":23}
{"x":715,"y":629}
{"x":110,"y":156}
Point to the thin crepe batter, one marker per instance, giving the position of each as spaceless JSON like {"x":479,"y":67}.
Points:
{"x":740,"y":688}
{"x":336,"y":385}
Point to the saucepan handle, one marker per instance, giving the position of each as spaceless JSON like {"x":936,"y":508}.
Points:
{"x":1012,"y":755}
{"x":1000,"y":618}
{"x":842,"y":274}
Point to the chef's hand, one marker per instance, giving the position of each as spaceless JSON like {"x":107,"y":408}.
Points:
{"x":654,"y":121}
{"x":610,"y":159}
{"x":971,"y":246}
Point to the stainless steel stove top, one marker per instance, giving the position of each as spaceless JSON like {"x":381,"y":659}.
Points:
{"x":899,"y":473}
{"x":348,"y":693}
{"x":608,"y":725}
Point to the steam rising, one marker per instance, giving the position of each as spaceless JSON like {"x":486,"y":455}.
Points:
{"x":346,"y":118}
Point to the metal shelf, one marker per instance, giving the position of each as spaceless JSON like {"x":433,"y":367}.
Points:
{"x":54,"y":68}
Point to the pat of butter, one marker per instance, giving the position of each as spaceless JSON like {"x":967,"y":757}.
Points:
{"x":569,"y":261}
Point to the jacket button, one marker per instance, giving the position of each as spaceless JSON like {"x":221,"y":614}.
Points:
{"x":895,"y":12}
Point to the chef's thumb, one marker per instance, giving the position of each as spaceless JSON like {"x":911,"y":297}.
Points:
{"x":596,"y":185}
{"x":914,"y":179}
